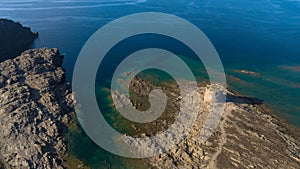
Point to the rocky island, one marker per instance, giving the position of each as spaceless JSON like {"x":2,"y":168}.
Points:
{"x":15,"y":38}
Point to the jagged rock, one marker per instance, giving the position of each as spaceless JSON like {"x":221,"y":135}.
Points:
{"x":35,"y":106}
{"x":15,"y":38}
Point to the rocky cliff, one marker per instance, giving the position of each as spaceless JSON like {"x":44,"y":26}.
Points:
{"x":35,"y":106}
{"x":14,"y":39}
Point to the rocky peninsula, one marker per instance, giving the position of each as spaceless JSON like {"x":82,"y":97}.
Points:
{"x":15,"y":38}
{"x":249,"y":135}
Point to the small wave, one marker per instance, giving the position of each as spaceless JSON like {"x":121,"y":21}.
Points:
{"x":61,"y":18}
{"x":15,"y":5}
{"x":20,"y":1}
{"x":103,"y":4}
{"x":93,"y":1}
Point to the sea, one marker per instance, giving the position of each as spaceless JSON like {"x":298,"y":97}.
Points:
{"x":258,"y":42}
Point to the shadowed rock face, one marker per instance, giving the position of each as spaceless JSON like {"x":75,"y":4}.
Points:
{"x":35,"y":106}
{"x":14,"y":39}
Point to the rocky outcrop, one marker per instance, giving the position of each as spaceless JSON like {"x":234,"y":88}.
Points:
{"x":14,"y":39}
{"x":35,"y":106}
{"x":248,"y":135}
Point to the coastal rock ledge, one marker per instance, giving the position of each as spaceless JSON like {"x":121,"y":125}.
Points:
{"x":35,"y":106}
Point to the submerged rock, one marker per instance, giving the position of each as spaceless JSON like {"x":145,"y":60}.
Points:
{"x":35,"y":107}
{"x":14,"y":38}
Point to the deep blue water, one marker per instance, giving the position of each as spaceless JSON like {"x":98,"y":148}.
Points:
{"x":259,"y":35}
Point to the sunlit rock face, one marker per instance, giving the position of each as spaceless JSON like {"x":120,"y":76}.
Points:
{"x":35,"y":106}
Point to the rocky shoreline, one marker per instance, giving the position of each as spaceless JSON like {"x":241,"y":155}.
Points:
{"x":35,"y":107}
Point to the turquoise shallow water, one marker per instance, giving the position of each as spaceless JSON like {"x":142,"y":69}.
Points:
{"x":260,"y":36}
